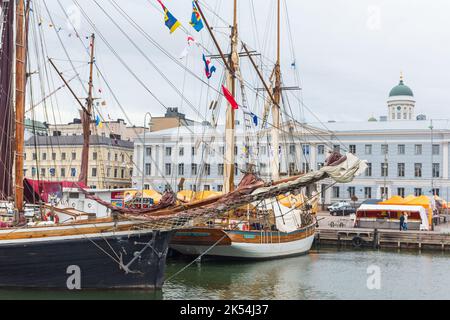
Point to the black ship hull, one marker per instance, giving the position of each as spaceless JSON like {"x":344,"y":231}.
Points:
{"x":127,"y":261}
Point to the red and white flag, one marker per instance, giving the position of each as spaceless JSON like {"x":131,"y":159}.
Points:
{"x":230,"y":98}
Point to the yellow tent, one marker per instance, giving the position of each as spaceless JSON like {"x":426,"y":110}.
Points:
{"x":202,"y":195}
{"x":393,"y":200}
{"x":148,"y":194}
{"x":422,"y":201}
{"x":186,"y":195}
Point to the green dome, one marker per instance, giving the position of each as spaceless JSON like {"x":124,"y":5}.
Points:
{"x":401,"y":90}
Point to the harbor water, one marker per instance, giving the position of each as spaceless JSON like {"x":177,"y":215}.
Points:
{"x":322,"y":274}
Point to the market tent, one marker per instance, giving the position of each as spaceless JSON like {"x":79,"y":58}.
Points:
{"x":423,"y":201}
{"x":186,"y":195}
{"x":148,"y":194}
{"x":393,"y":200}
{"x":202,"y":195}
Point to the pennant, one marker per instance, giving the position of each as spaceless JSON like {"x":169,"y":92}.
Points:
{"x":98,"y":122}
{"x":170,"y":21}
{"x":208,"y":70}
{"x":255,"y":119}
{"x":184,"y":54}
{"x":230,"y":98}
{"x":196,"y":19}
{"x":190,"y":40}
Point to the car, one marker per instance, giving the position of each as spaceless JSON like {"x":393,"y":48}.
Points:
{"x":343,"y":211}
{"x":337,"y":205}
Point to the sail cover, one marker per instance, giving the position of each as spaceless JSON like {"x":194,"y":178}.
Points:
{"x":6,"y":110}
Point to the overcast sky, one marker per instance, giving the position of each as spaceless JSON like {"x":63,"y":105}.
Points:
{"x":348,"y":53}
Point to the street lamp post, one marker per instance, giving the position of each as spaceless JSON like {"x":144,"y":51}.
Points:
{"x":143,"y":157}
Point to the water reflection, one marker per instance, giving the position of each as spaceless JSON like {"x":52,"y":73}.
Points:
{"x":324,"y":274}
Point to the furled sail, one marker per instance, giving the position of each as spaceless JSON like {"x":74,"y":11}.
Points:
{"x":6,"y":92}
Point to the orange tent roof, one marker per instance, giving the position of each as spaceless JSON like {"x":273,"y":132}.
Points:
{"x":393,"y":200}
{"x":423,"y":201}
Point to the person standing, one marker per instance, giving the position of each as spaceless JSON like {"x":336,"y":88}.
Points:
{"x":402,"y":220}
{"x":405,"y":222}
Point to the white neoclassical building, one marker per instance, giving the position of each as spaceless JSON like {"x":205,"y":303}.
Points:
{"x":405,"y":155}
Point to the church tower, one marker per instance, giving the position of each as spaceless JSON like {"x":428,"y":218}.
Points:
{"x":401,"y":103}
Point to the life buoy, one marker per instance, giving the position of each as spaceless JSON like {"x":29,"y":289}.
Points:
{"x":357,"y":242}
{"x":48,"y":217}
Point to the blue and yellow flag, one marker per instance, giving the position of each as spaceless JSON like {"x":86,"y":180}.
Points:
{"x":171,"y":22}
{"x":196,"y":19}
{"x":98,"y":122}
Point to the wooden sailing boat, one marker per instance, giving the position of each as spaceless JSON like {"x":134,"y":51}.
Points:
{"x":270,"y":229}
{"x":109,"y":253}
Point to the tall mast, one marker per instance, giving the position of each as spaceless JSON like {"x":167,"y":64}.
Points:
{"x":20,"y":101}
{"x":86,"y":121}
{"x":276,"y":108}
{"x":230,"y":113}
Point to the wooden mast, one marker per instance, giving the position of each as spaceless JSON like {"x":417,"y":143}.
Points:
{"x":20,"y":102}
{"x":230,"y":141}
{"x":276,"y":107}
{"x":86,"y":121}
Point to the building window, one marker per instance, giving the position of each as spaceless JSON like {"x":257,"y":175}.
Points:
{"x":417,"y":149}
{"x":401,"y":169}
{"x":336,"y":192}
{"x":74,"y":155}
{"x":384,"y":169}
{"x":435,"y":149}
{"x":384,"y":191}
{"x":320,"y":149}
{"x":42,"y":172}
{"x":193,"y":151}
{"x":44,"y":156}
{"x":305,"y":167}
{"x":34,"y":156}
{"x":73,"y":172}
{"x":206,"y":187}
{"x":220,"y":187}
{"x":63,"y":172}
{"x":401,"y":149}
{"x":220,"y":169}
{"x":236,"y":169}
{"x":148,"y":151}
{"x":436,"y":171}
{"x":207,"y":169}
{"x":122,"y":173}
{"x":94,"y":156}
{"x":369,"y":170}
{"x":351,"y":192}
{"x":63,"y":156}
{"x":54,"y":156}
{"x":148,"y":169}
{"x":168,"y":151}
{"x":193,"y":169}
{"x":352,"y":148}
{"x":368,"y":192}
{"x":337,"y":148}
{"x":181,"y":151}
{"x":115,"y":173}
{"x":292,"y":149}
{"x":417,"y":192}
{"x":116,"y":157}
{"x":181,"y":169}
{"x":109,"y":156}
{"x":108,"y":173}
{"x":291,"y":168}
{"x":401,"y":192}
{"x":417,"y":170}
{"x":122,"y":157}
{"x":368,"y":149}
{"x":435,"y":191}
{"x":94,"y":172}
{"x":384,"y":149}
{"x":168,"y":168}
{"x":33,"y":171}
{"x":222,"y":150}
{"x":236,"y":150}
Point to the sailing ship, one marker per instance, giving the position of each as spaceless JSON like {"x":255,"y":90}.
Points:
{"x":110,"y":253}
{"x":277,"y":227}
{"x":127,"y":249}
